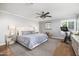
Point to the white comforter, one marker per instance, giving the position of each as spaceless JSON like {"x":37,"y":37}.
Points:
{"x":32,"y":40}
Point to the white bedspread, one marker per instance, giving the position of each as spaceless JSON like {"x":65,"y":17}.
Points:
{"x":32,"y":40}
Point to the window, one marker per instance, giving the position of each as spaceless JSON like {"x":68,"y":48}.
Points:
{"x":71,"y":24}
{"x":48,"y":25}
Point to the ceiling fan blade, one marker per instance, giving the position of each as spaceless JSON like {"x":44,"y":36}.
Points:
{"x":47,"y":13}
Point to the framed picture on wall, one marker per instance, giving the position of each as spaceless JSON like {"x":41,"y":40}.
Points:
{"x":48,"y":25}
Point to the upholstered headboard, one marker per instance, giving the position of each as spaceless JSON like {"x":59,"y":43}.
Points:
{"x":25,"y":29}
{"x":21,"y":29}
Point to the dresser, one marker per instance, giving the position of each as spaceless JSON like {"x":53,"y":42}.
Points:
{"x":75,"y":44}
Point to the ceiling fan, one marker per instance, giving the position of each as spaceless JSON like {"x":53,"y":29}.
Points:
{"x":43,"y":14}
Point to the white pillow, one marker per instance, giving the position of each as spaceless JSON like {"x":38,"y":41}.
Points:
{"x":27,"y":32}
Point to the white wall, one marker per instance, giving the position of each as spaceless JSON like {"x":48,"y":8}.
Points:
{"x":8,"y":19}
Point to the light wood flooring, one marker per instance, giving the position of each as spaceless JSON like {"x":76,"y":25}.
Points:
{"x":5,"y":51}
{"x":51,"y":48}
{"x":64,"y":50}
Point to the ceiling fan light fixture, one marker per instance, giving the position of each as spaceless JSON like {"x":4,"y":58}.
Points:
{"x":44,"y":14}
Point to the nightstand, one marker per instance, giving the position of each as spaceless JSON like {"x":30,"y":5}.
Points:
{"x":10,"y":39}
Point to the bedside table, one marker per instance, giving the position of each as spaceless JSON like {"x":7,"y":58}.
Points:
{"x":10,"y":39}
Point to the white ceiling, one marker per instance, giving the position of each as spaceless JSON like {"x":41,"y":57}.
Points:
{"x":28,"y":10}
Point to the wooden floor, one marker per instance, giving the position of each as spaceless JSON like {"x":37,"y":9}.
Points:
{"x":64,"y":50}
{"x":5,"y":51}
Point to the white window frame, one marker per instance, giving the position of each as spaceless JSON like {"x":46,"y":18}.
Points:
{"x":48,"y":25}
{"x":70,"y":20}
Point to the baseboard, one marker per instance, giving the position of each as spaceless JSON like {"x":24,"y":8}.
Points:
{"x":57,"y":38}
{"x":1,"y":44}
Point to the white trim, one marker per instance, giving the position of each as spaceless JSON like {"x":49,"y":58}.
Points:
{"x":57,"y":38}
{"x":1,"y":44}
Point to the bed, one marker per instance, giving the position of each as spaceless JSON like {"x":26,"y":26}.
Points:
{"x":31,"y":40}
